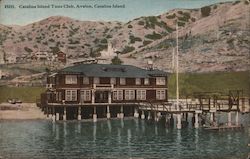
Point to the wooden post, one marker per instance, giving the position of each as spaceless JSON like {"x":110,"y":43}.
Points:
{"x":94,"y":115}
{"x":142,"y":115}
{"x":136,"y":114}
{"x":229,"y":119}
{"x":64,"y":114}
{"x":237,"y":118}
{"x":122,"y":114}
{"x":178,"y":121}
{"x":109,"y":97}
{"x":93,"y":97}
{"x":79,"y":117}
{"x":108,"y":113}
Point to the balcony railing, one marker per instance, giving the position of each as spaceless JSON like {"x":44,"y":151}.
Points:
{"x":103,"y":86}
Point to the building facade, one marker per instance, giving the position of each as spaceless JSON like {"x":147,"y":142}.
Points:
{"x":105,"y":85}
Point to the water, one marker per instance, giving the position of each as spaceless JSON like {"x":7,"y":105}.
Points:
{"x":128,"y":138}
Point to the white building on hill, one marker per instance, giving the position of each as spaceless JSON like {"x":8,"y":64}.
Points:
{"x":109,"y":52}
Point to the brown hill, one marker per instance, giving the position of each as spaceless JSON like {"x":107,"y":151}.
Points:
{"x":213,"y":38}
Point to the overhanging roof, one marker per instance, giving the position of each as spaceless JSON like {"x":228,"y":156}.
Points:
{"x":109,"y":70}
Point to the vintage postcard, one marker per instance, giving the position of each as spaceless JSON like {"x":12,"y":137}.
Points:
{"x":125,"y":79}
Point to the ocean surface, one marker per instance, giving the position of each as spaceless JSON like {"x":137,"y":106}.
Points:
{"x":116,"y":138}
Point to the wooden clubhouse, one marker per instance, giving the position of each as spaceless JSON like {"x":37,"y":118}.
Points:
{"x":102,"y":90}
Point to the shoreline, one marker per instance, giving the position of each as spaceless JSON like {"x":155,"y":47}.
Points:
{"x":22,"y":111}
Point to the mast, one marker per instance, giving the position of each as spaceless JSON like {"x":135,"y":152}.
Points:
{"x":177,"y":81}
{"x":177,"y":68}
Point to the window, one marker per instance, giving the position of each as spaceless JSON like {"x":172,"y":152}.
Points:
{"x":85,"y":80}
{"x":118,"y":95}
{"x":141,"y":94}
{"x":112,"y":80}
{"x":138,"y":81}
{"x":129,"y":94}
{"x":146,"y":81}
{"x":122,"y":81}
{"x":71,"y":95}
{"x":59,"y":96}
{"x":70,"y":79}
{"x":160,"y":94}
{"x":160,"y":81}
{"x":96,"y":80}
{"x":85,"y":95}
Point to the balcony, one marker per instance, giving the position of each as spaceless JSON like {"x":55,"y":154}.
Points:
{"x":103,"y":86}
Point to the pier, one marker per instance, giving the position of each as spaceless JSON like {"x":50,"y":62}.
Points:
{"x":202,"y":109}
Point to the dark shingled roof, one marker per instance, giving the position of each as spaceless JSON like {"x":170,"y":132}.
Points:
{"x":109,"y":70}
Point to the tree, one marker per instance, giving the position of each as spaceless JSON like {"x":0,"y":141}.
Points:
{"x":116,"y":61}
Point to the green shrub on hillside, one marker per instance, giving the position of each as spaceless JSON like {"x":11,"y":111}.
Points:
{"x":133,"y":39}
{"x":153,"y":36}
{"x":146,"y":42}
{"x":28,"y":50}
{"x":181,"y":24}
{"x":116,"y":61}
{"x":205,"y":11}
{"x":104,"y":41}
{"x":130,"y":26}
{"x":127,"y":49}
{"x":171,"y":16}
{"x":141,"y":23}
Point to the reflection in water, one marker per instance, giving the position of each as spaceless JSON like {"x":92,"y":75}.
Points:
{"x":136,"y":121}
{"x":143,"y":126}
{"x":94,"y":131}
{"x":196,"y":138}
{"x":119,"y":135}
{"x":156,"y":130}
{"x":64,"y":129}
{"x":122,"y":123}
{"x":135,"y":139}
{"x":109,"y":125}
{"x":79,"y":127}
{"x":178,"y":142}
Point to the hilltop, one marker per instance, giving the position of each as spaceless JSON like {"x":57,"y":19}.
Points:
{"x":212,"y":38}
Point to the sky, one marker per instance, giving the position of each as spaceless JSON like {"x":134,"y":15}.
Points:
{"x":133,"y":9}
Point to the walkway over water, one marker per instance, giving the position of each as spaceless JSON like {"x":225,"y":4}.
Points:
{"x":187,"y":105}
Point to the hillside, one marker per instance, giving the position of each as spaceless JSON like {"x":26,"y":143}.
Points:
{"x":213,"y":38}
